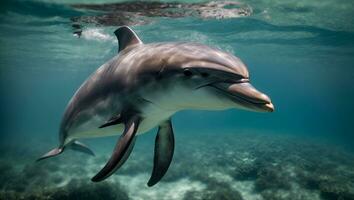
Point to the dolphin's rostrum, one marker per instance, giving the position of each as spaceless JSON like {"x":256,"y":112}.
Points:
{"x":143,"y":86}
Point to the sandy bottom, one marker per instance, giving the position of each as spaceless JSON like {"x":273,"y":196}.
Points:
{"x":205,"y":166}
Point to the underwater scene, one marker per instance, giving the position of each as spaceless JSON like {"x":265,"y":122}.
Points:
{"x":299,"y":55}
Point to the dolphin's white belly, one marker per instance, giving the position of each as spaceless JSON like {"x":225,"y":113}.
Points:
{"x":152,"y":116}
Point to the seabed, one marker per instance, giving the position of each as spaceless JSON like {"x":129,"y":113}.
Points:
{"x":205,"y":166}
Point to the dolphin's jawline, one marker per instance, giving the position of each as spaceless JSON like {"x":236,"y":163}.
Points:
{"x":239,"y":97}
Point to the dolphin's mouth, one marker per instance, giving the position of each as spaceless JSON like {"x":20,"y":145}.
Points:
{"x":244,"y":94}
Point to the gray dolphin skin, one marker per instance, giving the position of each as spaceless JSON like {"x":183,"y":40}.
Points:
{"x":143,"y":86}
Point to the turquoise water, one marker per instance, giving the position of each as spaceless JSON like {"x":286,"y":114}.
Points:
{"x":299,"y":53}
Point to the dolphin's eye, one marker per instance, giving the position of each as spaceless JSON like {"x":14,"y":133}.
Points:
{"x":204,"y":74}
{"x":187,"y":72}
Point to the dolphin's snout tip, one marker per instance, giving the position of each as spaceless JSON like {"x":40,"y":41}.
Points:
{"x":269,"y":107}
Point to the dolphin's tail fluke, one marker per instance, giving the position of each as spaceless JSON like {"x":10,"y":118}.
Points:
{"x":75,"y":145}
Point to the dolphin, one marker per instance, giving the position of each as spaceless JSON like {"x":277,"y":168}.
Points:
{"x":143,"y":86}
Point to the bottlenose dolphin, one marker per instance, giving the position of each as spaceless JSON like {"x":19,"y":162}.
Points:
{"x":143,"y":86}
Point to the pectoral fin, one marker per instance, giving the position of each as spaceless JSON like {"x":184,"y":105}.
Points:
{"x":52,"y":153}
{"x":164,"y":147}
{"x":113,"y":121}
{"x":121,"y":151}
{"x":75,"y":145}
{"x":79,"y":146}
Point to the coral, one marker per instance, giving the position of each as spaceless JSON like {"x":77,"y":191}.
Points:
{"x":246,"y":171}
{"x":272,"y":177}
{"x":220,"y":191}
{"x":337,"y":189}
{"x":308,"y":180}
{"x":82,"y":191}
{"x":10,"y":195}
{"x":75,"y":190}
{"x":6,"y":173}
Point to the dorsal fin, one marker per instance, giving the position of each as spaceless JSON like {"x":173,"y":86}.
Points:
{"x":126,"y":37}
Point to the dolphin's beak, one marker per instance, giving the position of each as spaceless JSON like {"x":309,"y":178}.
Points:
{"x":247,"y":96}
{"x":251,"y":97}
